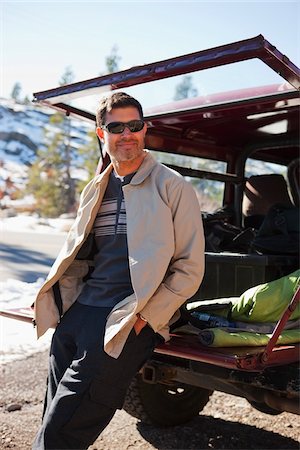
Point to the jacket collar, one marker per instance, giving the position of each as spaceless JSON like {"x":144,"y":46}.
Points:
{"x":104,"y":174}
{"x":145,"y":169}
{"x":142,"y":173}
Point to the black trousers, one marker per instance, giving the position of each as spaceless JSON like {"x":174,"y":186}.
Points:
{"x":85,"y":385}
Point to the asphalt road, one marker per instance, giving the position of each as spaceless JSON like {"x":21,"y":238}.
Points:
{"x":27,"y":255}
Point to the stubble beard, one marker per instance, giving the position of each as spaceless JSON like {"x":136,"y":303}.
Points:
{"x":122,"y":155}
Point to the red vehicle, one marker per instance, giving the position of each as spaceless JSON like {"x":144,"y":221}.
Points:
{"x":218,"y":142}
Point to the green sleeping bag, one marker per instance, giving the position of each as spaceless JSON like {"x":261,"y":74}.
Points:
{"x":267,"y":302}
{"x":219,"y":337}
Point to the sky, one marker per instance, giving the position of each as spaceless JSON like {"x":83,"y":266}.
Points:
{"x":40,"y":39}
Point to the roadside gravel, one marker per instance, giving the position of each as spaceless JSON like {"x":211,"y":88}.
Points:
{"x":226,"y":422}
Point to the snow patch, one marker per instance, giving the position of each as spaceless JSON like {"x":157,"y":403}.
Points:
{"x":18,"y":339}
{"x":36,"y":224}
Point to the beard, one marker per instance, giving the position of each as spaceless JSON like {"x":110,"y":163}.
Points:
{"x":127,"y":150}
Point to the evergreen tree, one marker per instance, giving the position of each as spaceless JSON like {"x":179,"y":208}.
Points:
{"x":26,"y":100}
{"x":16,"y":91}
{"x":185,"y":89}
{"x":50,"y":178}
{"x":89,"y":155}
{"x":64,"y":122}
{"x":67,"y":77}
{"x":112,"y":60}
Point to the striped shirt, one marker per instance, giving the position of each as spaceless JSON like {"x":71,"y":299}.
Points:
{"x":110,"y":281}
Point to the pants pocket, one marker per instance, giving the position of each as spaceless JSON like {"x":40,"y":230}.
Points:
{"x":97,"y":408}
{"x":103,"y":393}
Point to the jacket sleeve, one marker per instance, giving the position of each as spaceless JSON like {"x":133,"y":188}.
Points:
{"x":186,"y":268}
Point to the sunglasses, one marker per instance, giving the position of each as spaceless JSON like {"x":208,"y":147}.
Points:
{"x":118,"y":127}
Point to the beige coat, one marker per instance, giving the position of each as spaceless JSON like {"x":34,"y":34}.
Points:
{"x":165,"y":247}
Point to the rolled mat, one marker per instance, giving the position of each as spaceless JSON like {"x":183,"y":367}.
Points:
{"x":218,"y":337}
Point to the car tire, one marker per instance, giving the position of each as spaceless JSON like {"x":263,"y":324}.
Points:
{"x":264,"y":408}
{"x":163,"y":404}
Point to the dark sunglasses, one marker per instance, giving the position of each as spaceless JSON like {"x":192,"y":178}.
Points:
{"x":118,"y":127}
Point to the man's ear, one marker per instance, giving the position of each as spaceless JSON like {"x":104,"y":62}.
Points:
{"x":100,"y":133}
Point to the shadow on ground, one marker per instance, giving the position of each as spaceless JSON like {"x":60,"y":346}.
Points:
{"x":209,"y":433}
{"x":26,"y":259}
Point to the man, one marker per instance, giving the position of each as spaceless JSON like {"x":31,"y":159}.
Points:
{"x":134,"y":254}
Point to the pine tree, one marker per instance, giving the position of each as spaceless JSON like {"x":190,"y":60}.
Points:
{"x":16,"y":91}
{"x":185,"y":89}
{"x":112,"y":60}
{"x":67,"y":77}
{"x":64,"y":122}
{"x":89,"y":156}
{"x":50,"y":178}
{"x":26,"y":100}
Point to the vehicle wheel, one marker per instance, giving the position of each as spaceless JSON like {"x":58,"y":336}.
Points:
{"x":164,"y":404}
{"x":263,"y":407}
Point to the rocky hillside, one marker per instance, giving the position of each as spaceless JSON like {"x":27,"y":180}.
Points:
{"x":22,"y":133}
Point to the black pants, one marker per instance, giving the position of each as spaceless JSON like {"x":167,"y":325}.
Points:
{"x":85,"y":385}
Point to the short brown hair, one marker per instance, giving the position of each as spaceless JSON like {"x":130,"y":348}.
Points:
{"x":115,"y":100}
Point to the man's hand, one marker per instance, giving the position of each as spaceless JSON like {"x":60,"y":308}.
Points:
{"x":139,"y":325}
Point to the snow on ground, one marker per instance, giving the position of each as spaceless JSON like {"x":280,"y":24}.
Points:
{"x":18,"y":339}
{"x":36,"y":224}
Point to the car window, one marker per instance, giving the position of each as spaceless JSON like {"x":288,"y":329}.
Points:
{"x":255,"y":167}
{"x":209,"y":192}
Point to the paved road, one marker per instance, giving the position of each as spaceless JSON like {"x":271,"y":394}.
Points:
{"x":27,"y":255}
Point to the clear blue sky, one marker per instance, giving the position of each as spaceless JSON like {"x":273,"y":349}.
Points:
{"x":40,"y":39}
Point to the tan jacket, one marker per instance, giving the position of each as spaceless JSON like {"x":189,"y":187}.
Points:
{"x":165,"y":247}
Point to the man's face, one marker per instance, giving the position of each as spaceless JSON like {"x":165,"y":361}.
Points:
{"x":126,"y":146}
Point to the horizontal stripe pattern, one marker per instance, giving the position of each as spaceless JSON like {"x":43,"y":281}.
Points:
{"x":105,"y":222}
